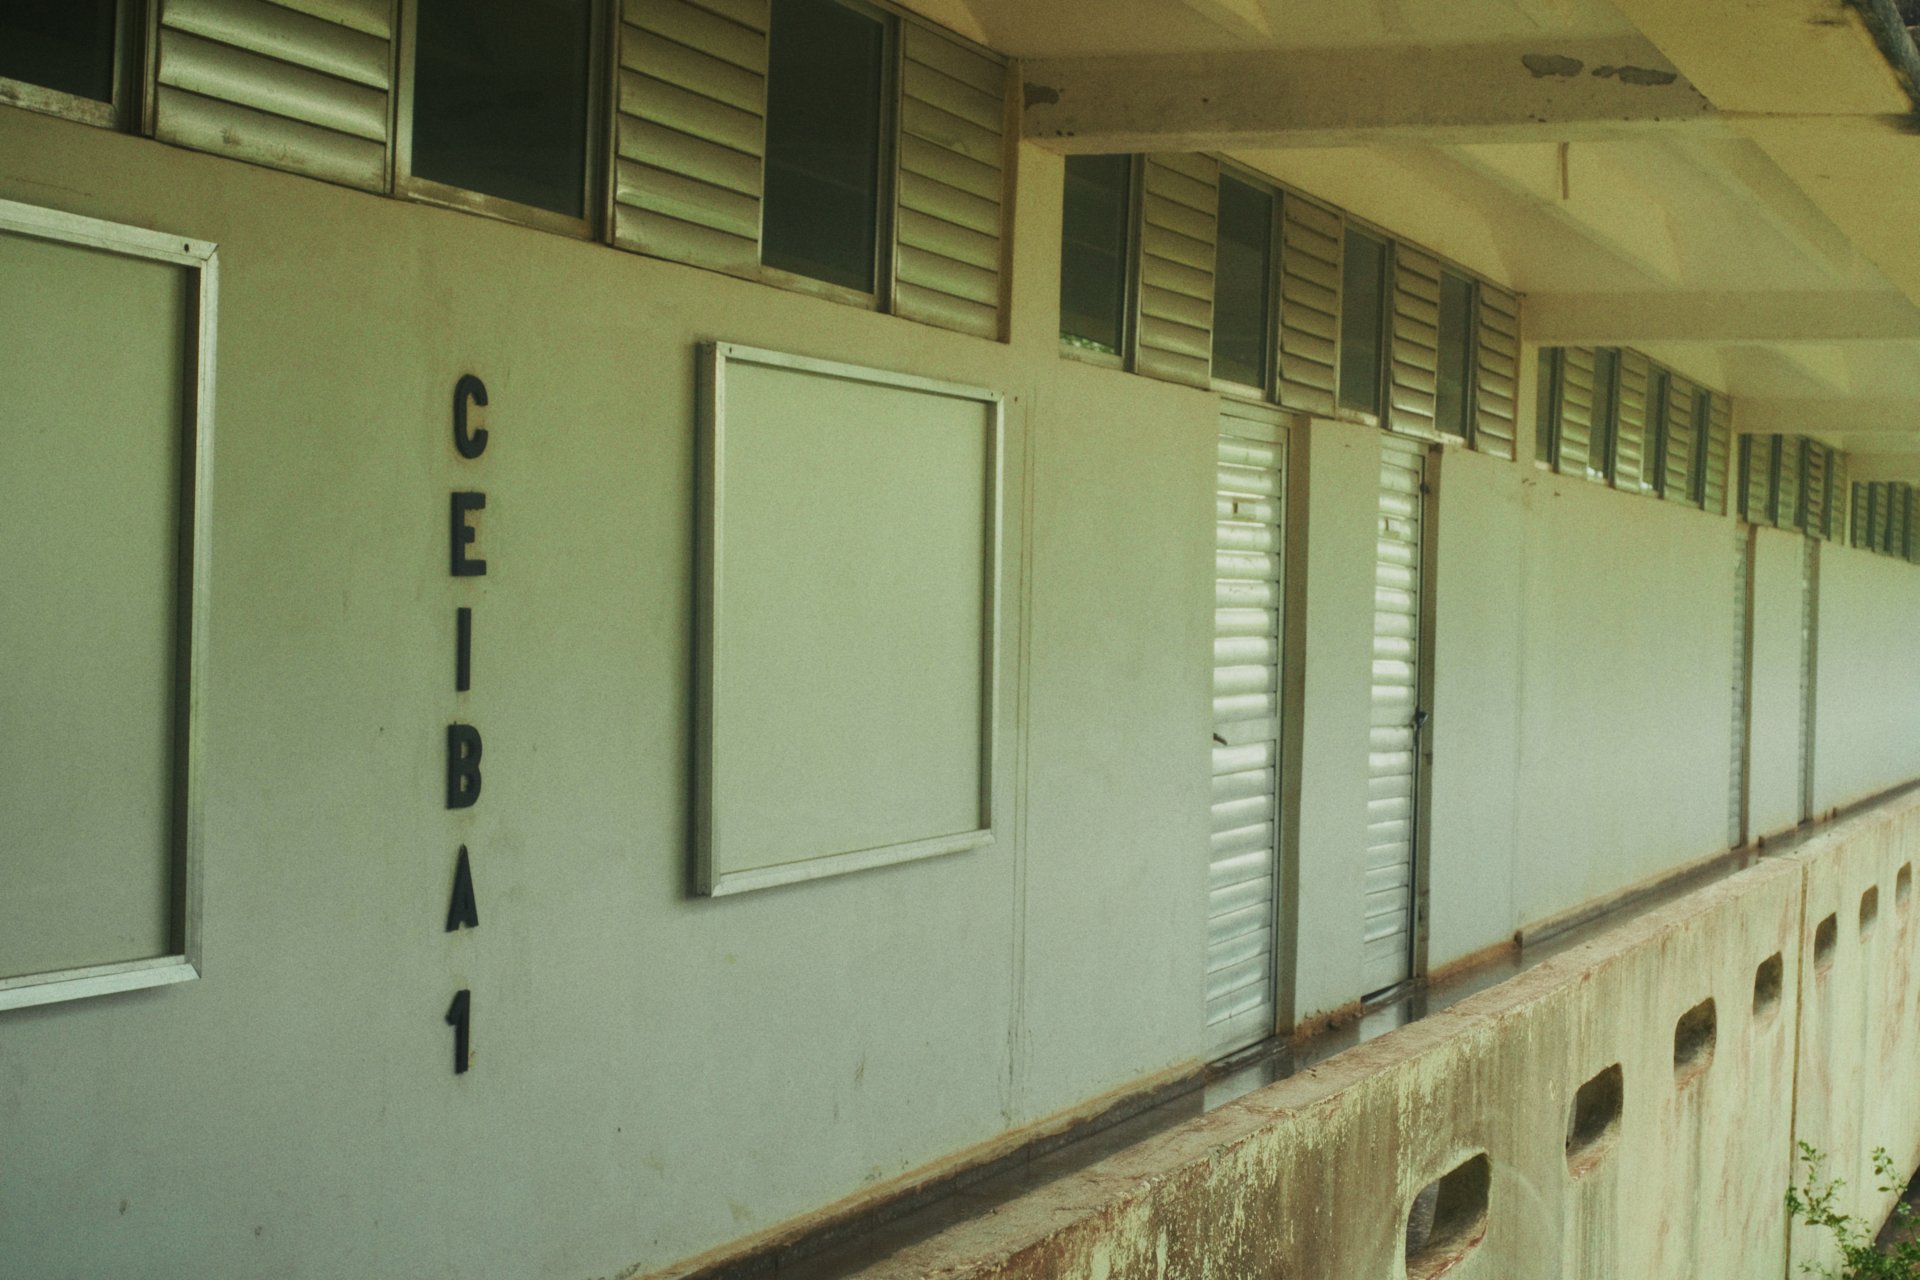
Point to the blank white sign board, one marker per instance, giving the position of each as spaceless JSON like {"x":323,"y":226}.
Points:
{"x":849,"y":578}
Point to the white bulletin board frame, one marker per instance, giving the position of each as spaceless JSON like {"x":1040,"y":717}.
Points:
{"x":181,"y":960}
{"x":722,"y":865}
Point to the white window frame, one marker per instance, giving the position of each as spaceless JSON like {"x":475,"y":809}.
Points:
{"x":200,"y":257}
{"x":116,"y":114}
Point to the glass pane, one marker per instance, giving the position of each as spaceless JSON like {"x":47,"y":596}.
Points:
{"x":59,"y":44}
{"x":1093,"y":251}
{"x":1242,"y":290}
{"x":1456,"y":354}
{"x":1657,"y":428}
{"x":1362,"y":284}
{"x":1606,"y":365}
{"x":822,"y":211}
{"x":1546,"y":400}
{"x":500,"y":99}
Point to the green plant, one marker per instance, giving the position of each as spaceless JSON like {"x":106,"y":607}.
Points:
{"x":1861,"y":1256}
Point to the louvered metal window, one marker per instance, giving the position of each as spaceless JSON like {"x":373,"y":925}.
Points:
{"x":1310,"y":269}
{"x":1174,"y":316}
{"x":708,"y":158}
{"x":1839,"y":497}
{"x":1413,"y":344}
{"x":1678,"y":442}
{"x":1659,"y":410}
{"x":64,"y":57}
{"x":494,"y":112}
{"x":1496,"y":379}
{"x":1606,"y":396}
{"x":307,"y":88}
{"x":1573,"y":419}
{"x":1702,"y":421}
{"x":1546,"y":426}
{"x":1786,"y":480}
{"x":1719,"y":446}
{"x":1096,"y":250}
{"x":1630,"y":422}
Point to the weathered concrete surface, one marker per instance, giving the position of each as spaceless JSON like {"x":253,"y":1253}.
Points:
{"x":1315,"y":1176}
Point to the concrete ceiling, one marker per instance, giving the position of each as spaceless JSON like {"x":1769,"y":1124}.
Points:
{"x":1728,"y":188}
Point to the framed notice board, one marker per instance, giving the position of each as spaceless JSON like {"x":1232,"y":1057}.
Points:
{"x":106,"y":372}
{"x":848,"y":618}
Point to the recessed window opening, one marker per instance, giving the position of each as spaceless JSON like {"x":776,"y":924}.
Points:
{"x":1595,"y":1122}
{"x":1095,"y":245}
{"x":1693,"y":1038}
{"x":1766,"y":985}
{"x":1453,"y":386}
{"x":1903,"y":887}
{"x":1825,"y":936}
{"x":1242,"y":283}
{"x":826,"y":80}
{"x":1363,"y":287}
{"x":499,"y":100}
{"x":1606,"y":381}
{"x":1448,"y":1218}
{"x":1869,"y":910}
{"x":66,"y":47}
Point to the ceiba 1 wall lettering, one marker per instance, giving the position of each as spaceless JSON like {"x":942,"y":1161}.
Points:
{"x":464,"y":746}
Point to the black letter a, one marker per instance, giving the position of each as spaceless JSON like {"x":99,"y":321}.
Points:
{"x":463,"y":910}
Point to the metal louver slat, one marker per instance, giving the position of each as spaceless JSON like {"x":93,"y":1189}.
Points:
{"x":303,"y":87}
{"x":1175,"y":325}
{"x":948,"y":269}
{"x":1310,"y":247}
{"x":1576,"y":409}
{"x":1630,"y":423}
{"x":1393,"y":753}
{"x":1719,"y":454}
{"x":1496,"y":378}
{"x":690,"y":131}
{"x":1413,"y":376}
{"x":1250,"y":496}
{"x":1679,"y":452}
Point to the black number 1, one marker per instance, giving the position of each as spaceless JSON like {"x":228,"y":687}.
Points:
{"x":457,"y":1014}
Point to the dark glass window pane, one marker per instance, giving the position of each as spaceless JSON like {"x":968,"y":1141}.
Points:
{"x":1702,"y":426}
{"x":1363,"y":283}
{"x":1242,"y":284}
{"x":1546,"y":404}
{"x":822,"y":211}
{"x":1097,"y":211}
{"x":500,"y":99}
{"x":59,"y":44}
{"x":1606,"y":366}
{"x":1455,"y":374}
{"x":1657,"y":428}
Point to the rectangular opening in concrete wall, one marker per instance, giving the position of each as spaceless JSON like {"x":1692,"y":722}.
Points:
{"x":107,"y":382}
{"x":1903,"y":887}
{"x":1448,"y":1218}
{"x":1595,"y":1122}
{"x":1869,"y":910}
{"x":1693,"y":1039}
{"x":1825,"y":935}
{"x":848,"y":619}
{"x":1766,"y":985}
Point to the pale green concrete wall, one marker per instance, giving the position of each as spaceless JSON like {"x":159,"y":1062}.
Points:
{"x":1314,"y":1176}
{"x":1774,"y":750}
{"x":654,"y":1075}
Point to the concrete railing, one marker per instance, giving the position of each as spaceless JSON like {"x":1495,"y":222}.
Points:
{"x":1629,"y":1107}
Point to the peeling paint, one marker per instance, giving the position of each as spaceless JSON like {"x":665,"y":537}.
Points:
{"x":1551,"y":64}
{"x":1039,"y":95}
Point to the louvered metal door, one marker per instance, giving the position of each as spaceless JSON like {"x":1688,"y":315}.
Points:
{"x":1393,"y":753}
{"x":1244,"y":857}
{"x":301,"y":85}
{"x":1809,"y":666}
{"x":1743,"y":537}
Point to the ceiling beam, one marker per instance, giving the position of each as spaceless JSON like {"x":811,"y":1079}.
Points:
{"x":1719,"y":319}
{"x":1537,"y":91}
{"x":1767,"y":415}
